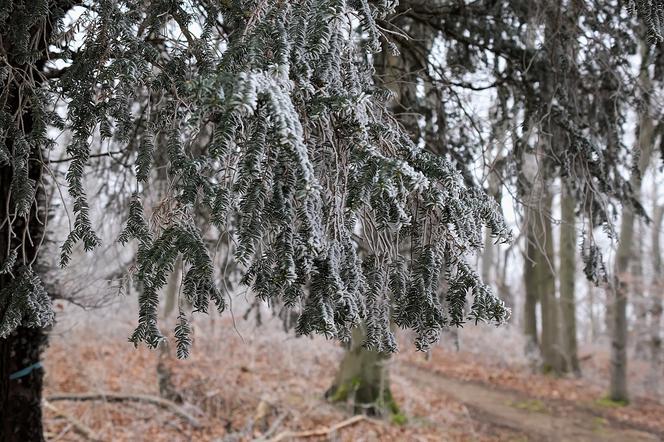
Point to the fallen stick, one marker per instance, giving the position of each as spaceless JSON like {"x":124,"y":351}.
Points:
{"x":321,"y":431}
{"x":116,"y":397}
{"x":273,"y":428}
{"x":79,"y":426}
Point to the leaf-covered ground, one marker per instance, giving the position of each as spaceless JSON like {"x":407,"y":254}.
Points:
{"x":247,"y":383}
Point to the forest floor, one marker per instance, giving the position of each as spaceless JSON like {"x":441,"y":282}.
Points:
{"x":247,"y":383}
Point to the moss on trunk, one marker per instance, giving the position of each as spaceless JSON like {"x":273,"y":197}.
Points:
{"x":363,"y":380}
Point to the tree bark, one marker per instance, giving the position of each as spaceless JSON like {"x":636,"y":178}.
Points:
{"x":567,"y":280}
{"x":21,"y":385}
{"x":363,"y":374}
{"x":552,"y":360}
{"x":20,"y":379}
{"x":618,"y":386}
{"x":592,"y":317}
{"x":656,"y":308}
{"x":531,"y":296}
{"x":639,"y":294}
{"x":21,"y":375}
{"x":363,"y":379}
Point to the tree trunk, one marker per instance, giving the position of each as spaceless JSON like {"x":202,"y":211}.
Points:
{"x":592,"y":317}
{"x":363,"y":379}
{"x":20,"y":353}
{"x":20,"y":378}
{"x":639,"y":294}
{"x":21,"y":385}
{"x":21,"y":374}
{"x":656,"y":306}
{"x":545,"y":273}
{"x":532,"y":294}
{"x":363,"y":374}
{"x":487,"y":257}
{"x":172,"y":288}
{"x":567,"y":280}
{"x":530,"y":193}
{"x":618,"y":387}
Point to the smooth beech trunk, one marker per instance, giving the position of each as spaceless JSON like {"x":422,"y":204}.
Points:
{"x":567,"y":280}
{"x":618,"y":386}
{"x":552,"y":359}
{"x":656,"y":306}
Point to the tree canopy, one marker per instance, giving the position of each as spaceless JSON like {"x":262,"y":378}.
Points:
{"x":301,"y":163}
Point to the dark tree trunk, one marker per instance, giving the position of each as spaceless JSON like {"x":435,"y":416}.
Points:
{"x":20,"y":378}
{"x":21,"y":385}
{"x":531,"y":295}
{"x":21,"y":375}
{"x":20,"y":353}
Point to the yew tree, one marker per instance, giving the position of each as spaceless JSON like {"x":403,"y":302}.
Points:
{"x":302,"y":164}
{"x":273,"y":127}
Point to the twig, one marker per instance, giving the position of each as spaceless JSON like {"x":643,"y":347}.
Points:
{"x":94,"y":155}
{"x":115,"y":397}
{"x":320,"y":432}
{"x":78,"y":426}
{"x":273,"y":427}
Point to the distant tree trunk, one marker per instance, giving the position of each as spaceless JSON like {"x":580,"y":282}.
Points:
{"x":567,"y":279}
{"x":487,"y":257}
{"x":504,"y":290}
{"x":556,"y":29}
{"x":592,"y":317}
{"x":363,"y":379}
{"x":167,"y":389}
{"x":531,"y":194}
{"x":656,"y":307}
{"x":639,"y":294}
{"x":618,"y":385}
{"x":172,"y":288}
{"x":532,"y":294}
{"x":550,"y":344}
{"x":489,"y":250}
{"x":608,"y":313}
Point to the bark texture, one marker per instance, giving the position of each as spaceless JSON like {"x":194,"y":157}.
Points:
{"x":618,"y":383}
{"x":21,"y":376}
{"x":545,"y":273}
{"x":656,"y":308}
{"x":567,"y":280}
{"x":363,"y":380}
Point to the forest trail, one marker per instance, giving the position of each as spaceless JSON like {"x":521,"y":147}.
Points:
{"x":530,"y":418}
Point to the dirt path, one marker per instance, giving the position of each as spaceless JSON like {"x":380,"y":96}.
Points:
{"x":536,"y":420}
